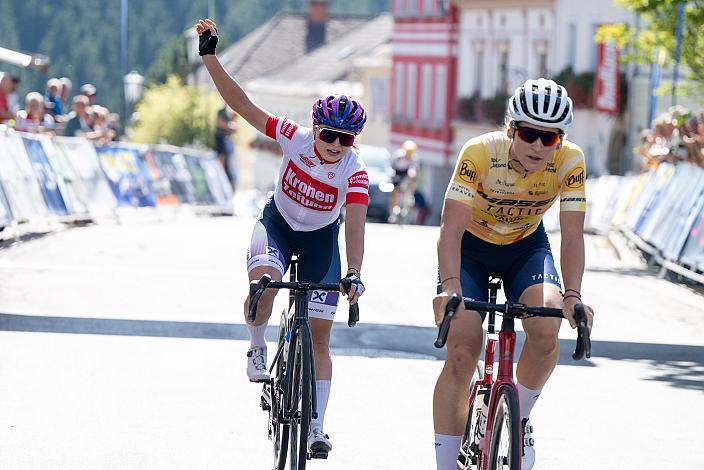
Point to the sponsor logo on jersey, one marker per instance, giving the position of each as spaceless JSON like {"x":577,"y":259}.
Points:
{"x":515,"y":202}
{"x":358,"y":180}
{"x":271,"y":251}
{"x":467,"y":171}
{"x":308,"y":191}
{"x":318,"y":296}
{"x":287,"y":129}
{"x":457,"y":191}
{"x":497,"y":163}
{"x":307,"y":161}
{"x":576,"y":178}
{"x":331,"y":175}
{"x":550,"y":168}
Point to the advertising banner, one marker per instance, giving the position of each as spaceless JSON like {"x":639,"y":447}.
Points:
{"x":693,"y":251}
{"x":608,"y":78}
{"x":218,"y":183}
{"x":90,"y":184}
{"x":19,"y":181}
{"x":198,"y":180}
{"x":160,"y":182}
{"x":173,"y":166}
{"x":127,"y":175}
{"x":50,"y":184}
{"x":5,"y":211}
{"x":69,"y":183}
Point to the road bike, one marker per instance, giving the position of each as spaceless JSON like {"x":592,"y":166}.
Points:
{"x":494,"y":441}
{"x":289,"y":395}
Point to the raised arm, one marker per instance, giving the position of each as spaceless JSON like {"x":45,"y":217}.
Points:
{"x":229,"y":89}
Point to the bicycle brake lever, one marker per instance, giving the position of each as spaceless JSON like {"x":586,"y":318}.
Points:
{"x":256,"y":289}
{"x":353,"y":317}
{"x":584,"y":345}
{"x":450,"y":311}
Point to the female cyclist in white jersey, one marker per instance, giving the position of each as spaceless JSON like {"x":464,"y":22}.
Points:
{"x":320,"y":172}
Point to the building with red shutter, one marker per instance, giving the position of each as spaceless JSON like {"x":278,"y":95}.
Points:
{"x":423,"y":88}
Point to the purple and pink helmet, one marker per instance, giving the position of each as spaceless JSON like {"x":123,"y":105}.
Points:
{"x":340,"y":112}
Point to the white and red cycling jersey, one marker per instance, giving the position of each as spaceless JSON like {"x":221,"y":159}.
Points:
{"x":310,"y":191}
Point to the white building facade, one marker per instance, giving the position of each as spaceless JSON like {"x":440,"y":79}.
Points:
{"x":504,"y":42}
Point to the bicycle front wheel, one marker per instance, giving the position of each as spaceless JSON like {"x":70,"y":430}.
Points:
{"x":505,"y":443}
{"x":301,"y":401}
{"x":279,"y":432}
{"x":469,"y":457}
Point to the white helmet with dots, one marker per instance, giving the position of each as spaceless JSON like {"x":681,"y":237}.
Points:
{"x":541,"y":102}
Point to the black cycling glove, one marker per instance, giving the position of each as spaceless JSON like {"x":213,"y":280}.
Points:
{"x":355,"y":279}
{"x":207,"y":43}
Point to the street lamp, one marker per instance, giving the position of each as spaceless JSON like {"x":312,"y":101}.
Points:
{"x":134,"y":83}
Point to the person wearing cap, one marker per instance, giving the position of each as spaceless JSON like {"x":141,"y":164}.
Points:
{"x":90,"y":91}
{"x":53,"y":97}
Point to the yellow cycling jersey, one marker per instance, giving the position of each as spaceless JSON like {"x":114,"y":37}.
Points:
{"x":507,"y":205}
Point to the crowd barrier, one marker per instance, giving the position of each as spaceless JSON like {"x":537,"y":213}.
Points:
{"x":45,"y":178}
{"x":661,"y":212}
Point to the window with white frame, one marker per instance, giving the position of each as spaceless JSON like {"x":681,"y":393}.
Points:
{"x":503,"y":72}
{"x":426,"y":91}
{"x":478,"y":69}
{"x":398,"y":90}
{"x":411,"y":83}
{"x":440,"y":92}
{"x":571,"y":44}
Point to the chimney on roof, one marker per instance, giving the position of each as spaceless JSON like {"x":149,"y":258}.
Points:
{"x":317,"y":19}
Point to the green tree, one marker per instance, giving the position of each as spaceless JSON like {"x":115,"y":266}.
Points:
{"x":660,"y":20}
{"x":177,"y":114}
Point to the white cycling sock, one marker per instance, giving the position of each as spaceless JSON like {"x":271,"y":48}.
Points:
{"x":526,"y":399}
{"x":446,"y":450}
{"x":322,"y":393}
{"x":256,"y":336}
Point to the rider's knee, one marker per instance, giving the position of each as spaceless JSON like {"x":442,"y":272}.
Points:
{"x":461,"y":360}
{"x":544,"y":341}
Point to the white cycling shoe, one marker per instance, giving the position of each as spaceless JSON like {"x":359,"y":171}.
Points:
{"x":318,"y":441}
{"x":256,"y":365}
{"x":528,"y":445}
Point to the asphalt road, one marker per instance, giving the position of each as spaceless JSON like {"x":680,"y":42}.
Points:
{"x":122,"y":347}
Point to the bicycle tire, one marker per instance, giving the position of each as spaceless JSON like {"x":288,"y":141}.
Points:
{"x":280,"y":431}
{"x":507,"y":423}
{"x":469,"y":457}
{"x":301,"y":398}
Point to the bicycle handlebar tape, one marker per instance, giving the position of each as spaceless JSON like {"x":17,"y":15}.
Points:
{"x":256,"y":289}
{"x":354,"y":315}
{"x":584,"y":345}
{"x":354,"y":309}
{"x":450,"y":310}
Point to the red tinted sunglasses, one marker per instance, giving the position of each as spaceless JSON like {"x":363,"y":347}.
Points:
{"x":329,"y":136}
{"x":530,"y":135}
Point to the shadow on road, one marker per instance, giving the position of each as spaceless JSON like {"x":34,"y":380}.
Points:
{"x":680,"y":365}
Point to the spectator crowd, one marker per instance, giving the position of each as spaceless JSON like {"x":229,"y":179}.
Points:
{"x":49,"y":112}
{"x":676,"y":135}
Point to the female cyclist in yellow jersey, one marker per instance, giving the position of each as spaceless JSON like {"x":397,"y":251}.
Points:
{"x":491,"y":224}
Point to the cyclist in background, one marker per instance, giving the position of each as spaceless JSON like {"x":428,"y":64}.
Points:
{"x":491,"y":224}
{"x":320,"y":172}
{"x":403,"y":164}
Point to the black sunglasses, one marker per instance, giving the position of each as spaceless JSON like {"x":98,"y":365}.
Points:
{"x":329,"y":136}
{"x":530,"y":135}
